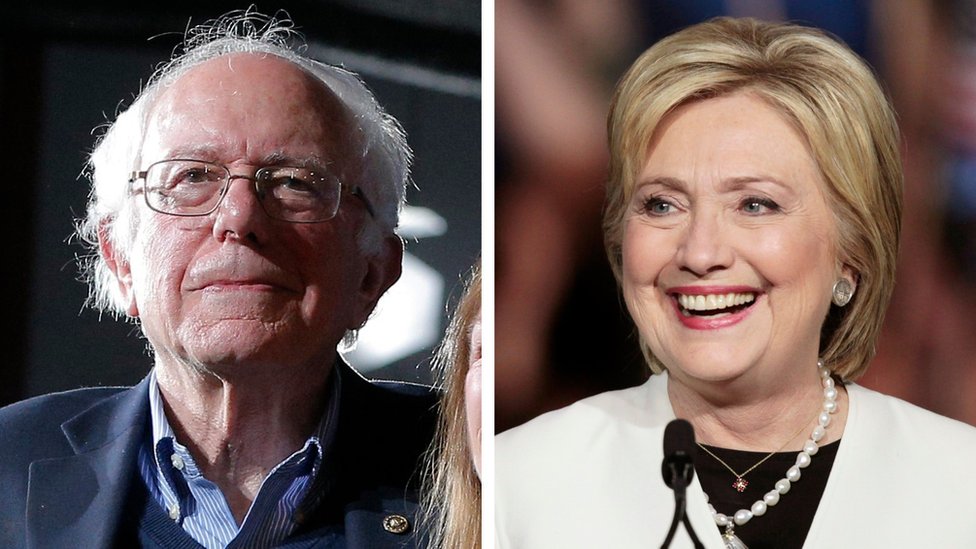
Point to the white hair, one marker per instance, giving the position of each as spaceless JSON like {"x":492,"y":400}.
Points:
{"x":383,"y":163}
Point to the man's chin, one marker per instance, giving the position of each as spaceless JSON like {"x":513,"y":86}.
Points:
{"x":243,"y":348}
{"x":234,"y":365}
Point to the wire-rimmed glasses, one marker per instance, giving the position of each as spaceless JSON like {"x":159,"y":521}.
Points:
{"x":187,"y":187}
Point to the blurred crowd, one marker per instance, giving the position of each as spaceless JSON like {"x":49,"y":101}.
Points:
{"x":561,"y":330}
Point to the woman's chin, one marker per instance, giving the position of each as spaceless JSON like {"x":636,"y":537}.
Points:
{"x":717,"y":370}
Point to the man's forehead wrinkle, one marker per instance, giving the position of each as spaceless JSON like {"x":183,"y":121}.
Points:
{"x":223,"y":85}
{"x":209,"y":146}
{"x":339,"y":119}
{"x":226,"y":84}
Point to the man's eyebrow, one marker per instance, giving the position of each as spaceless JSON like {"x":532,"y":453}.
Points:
{"x":279,"y":158}
{"x":196,"y":152}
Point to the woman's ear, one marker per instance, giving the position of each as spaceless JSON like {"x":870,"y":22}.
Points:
{"x":844,"y":288}
{"x":118,"y":263}
{"x":851,"y":275}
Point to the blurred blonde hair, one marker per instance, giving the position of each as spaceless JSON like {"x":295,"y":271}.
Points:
{"x":833,"y":99}
{"x":452,"y":490}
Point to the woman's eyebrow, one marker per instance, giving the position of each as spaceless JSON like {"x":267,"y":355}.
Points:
{"x":662,"y":181}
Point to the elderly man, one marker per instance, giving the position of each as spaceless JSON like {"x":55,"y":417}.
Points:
{"x":244,"y":211}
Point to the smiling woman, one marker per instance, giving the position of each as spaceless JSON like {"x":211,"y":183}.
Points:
{"x":729,"y":201}
{"x":752,"y":219}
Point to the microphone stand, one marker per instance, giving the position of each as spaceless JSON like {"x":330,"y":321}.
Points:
{"x":678,"y":470}
{"x":679,"y":516}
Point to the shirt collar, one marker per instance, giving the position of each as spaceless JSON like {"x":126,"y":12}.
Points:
{"x":172,"y":488}
{"x":164,"y":441}
{"x":161,"y":428}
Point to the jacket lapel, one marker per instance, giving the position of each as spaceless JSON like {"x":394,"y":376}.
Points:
{"x":77,"y":500}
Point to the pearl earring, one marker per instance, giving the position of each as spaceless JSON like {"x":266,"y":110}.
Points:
{"x":842,"y":292}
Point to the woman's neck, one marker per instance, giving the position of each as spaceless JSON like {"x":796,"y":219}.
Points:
{"x":762,"y":419}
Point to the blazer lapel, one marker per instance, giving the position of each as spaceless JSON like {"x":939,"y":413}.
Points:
{"x":77,"y":500}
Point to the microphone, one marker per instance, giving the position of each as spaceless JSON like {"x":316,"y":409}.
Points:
{"x":679,"y":443}
{"x":678,"y":470}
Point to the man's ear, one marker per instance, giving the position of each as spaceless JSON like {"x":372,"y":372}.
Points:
{"x":382,"y":271}
{"x":119,"y":265}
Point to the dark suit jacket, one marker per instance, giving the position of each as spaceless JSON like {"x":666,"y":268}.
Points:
{"x":68,"y":461}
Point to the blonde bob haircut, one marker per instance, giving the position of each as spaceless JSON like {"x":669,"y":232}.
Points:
{"x":832,"y":98}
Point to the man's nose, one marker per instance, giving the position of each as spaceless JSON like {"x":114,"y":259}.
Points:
{"x":240,"y":213}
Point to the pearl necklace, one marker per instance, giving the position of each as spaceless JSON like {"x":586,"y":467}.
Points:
{"x":782,"y":485}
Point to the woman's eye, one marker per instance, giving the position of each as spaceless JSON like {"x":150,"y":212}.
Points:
{"x":657,"y":206}
{"x":756,"y":206}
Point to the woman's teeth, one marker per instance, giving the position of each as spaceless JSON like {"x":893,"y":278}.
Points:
{"x":714,"y":302}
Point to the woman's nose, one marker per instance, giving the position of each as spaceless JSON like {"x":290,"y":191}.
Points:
{"x":704,"y":245}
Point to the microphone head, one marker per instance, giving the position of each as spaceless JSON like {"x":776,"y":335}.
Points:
{"x":679,"y":435}
{"x":679,"y":444}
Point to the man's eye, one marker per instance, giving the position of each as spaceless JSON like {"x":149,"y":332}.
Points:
{"x":294,"y":184}
{"x":195,"y":176}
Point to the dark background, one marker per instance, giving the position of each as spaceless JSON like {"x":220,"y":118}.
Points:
{"x":66,"y":69}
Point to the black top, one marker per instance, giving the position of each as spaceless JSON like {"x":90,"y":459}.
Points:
{"x":784,"y":525}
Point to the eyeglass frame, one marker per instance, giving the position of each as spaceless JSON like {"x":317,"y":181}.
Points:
{"x":135,"y":175}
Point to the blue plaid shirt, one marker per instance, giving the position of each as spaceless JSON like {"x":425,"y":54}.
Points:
{"x":175,"y":482}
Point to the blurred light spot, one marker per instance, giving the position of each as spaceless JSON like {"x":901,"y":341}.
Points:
{"x":417,"y":222}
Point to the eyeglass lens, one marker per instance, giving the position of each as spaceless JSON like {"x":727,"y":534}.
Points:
{"x":191,"y":187}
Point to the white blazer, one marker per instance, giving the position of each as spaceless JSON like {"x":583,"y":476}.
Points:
{"x":589,"y":476}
